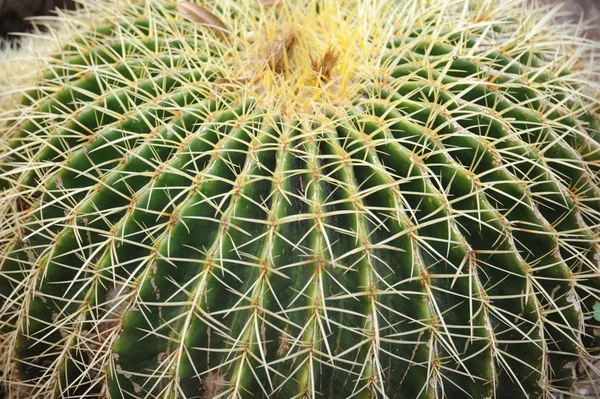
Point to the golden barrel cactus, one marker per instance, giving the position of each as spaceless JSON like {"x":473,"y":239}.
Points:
{"x":299,"y":199}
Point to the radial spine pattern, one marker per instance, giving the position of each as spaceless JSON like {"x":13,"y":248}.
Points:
{"x":299,"y":199}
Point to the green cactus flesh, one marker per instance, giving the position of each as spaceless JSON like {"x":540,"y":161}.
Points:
{"x":365,"y":199}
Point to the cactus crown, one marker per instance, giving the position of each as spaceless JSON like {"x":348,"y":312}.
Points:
{"x":369,"y":198}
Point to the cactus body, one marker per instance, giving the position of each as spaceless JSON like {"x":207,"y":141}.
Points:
{"x":360,"y":199}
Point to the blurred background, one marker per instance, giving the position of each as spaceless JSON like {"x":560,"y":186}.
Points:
{"x":588,"y":9}
{"x":13,"y":13}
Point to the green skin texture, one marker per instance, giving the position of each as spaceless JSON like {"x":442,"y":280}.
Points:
{"x":174,"y":242}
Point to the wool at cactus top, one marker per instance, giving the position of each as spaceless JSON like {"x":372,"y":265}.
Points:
{"x":299,"y":199}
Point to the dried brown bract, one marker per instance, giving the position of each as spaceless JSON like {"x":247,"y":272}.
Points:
{"x":324,"y":66}
{"x":199,"y":14}
{"x":268,"y":3}
{"x":224,"y":84}
{"x":280,"y":52}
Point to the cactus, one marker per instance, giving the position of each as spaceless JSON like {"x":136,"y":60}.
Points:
{"x":300,"y":199}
